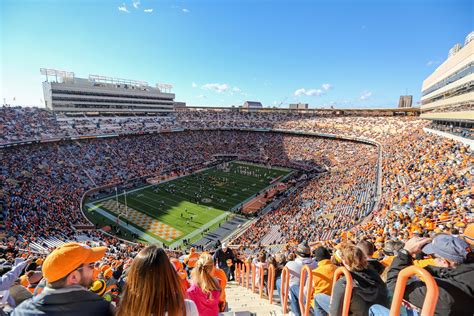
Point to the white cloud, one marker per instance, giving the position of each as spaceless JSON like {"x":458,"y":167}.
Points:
{"x":136,"y":4}
{"x":327,"y":86}
{"x":186,"y":11}
{"x":309,"y":92}
{"x":236,"y":89}
{"x":194,"y":85}
{"x":148,"y":10}
{"x":123,"y":8}
{"x":365,"y":95}
{"x":432,"y":62}
{"x":201,"y":96}
{"x":219,"y":88}
{"x":300,"y":92}
{"x":314,"y":92}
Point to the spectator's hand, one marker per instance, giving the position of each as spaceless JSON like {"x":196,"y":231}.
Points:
{"x":414,"y":245}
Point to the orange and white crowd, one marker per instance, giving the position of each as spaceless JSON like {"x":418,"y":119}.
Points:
{"x":421,"y":216}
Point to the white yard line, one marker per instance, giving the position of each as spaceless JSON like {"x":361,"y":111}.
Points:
{"x":201,"y":229}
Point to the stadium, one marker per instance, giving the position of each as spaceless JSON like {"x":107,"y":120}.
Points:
{"x":116,"y":199}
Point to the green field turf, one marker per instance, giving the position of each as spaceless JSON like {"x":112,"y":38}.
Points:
{"x":200,"y":199}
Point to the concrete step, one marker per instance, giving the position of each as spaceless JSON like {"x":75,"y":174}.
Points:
{"x":242,"y":299}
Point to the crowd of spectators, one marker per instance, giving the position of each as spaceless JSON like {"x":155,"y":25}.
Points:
{"x":425,"y":204}
{"x":27,"y":123}
{"x":42,"y":184}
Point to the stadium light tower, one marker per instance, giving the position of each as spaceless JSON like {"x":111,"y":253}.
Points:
{"x":56,"y":73}
{"x":165,"y":87}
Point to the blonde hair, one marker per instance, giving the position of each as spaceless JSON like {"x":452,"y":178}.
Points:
{"x":202,"y":277}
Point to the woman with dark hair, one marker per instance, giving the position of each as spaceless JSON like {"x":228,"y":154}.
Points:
{"x":152,"y":287}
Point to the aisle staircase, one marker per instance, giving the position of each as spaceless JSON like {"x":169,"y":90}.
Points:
{"x":242,"y":300}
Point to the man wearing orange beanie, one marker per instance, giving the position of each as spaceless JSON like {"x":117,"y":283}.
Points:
{"x":68,"y":271}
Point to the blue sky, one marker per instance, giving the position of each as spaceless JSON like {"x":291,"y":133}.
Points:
{"x":219,"y":53}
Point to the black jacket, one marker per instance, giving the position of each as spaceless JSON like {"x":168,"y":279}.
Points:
{"x":68,"y":301}
{"x":221,"y":257}
{"x":368,"y":289}
{"x":456,"y":287}
{"x":376,"y":265}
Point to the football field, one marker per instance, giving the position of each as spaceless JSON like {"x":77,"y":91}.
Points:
{"x":181,"y":208}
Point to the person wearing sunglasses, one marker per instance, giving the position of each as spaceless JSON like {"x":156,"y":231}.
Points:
{"x":69,"y":272}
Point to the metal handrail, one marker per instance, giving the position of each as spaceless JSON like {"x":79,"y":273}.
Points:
{"x":432,"y":290}
{"x":254,"y":270}
{"x":285,"y":286}
{"x":271,"y":282}
{"x":306,"y":277}
{"x":348,"y":290}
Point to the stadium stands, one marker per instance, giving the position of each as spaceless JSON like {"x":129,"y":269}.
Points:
{"x":402,"y":186}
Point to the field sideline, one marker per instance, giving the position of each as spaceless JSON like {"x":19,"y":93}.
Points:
{"x":174,"y":209}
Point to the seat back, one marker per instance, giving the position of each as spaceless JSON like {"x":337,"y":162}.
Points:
{"x":306,"y":280}
{"x":341,"y":271}
{"x":432,"y":290}
{"x":285,"y":287}
{"x":271,"y":282}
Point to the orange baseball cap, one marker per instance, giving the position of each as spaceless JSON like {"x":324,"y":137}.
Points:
{"x":67,"y":258}
{"x":469,"y":234}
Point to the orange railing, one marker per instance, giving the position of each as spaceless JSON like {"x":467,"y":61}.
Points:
{"x":348,"y":291}
{"x":237,"y":272}
{"x":270,"y":282}
{"x":432,"y":290}
{"x":285,"y":287}
{"x":254,"y":275}
{"x":306,"y":278}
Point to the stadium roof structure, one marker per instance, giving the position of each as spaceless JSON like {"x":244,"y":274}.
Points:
{"x":411,"y":111}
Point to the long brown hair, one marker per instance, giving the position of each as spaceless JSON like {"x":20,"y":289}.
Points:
{"x":353,"y":257}
{"x":152,"y":286}
{"x":202,"y":275}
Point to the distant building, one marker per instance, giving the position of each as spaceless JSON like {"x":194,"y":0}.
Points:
{"x":179,"y":105}
{"x":64,"y":92}
{"x":447,"y":94}
{"x":252,"y":105}
{"x":405,"y":101}
{"x":299,"y":106}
